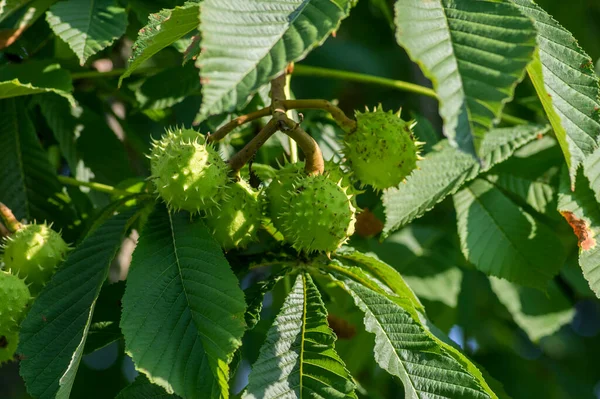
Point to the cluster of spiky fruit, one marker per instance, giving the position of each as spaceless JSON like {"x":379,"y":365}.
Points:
{"x":314,"y":213}
{"x":31,"y":256}
{"x":190,"y":174}
{"x":382,"y":150}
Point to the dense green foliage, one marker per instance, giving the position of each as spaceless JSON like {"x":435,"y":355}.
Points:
{"x":299,"y":198}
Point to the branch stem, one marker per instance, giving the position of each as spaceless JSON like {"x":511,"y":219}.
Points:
{"x":9,"y":219}
{"x":340,"y":117}
{"x":307,"y":70}
{"x":103,"y":188}
{"x":315,"y":165}
{"x":239,"y":121}
{"x":237,"y":162}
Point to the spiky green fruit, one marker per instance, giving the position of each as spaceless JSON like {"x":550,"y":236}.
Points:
{"x":188,"y":173}
{"x":338,"y":174}
{"x":278,"y":191}
{"x":319,"y":215}
{"x":15,"y":297}
{"x":237,"y":221}
{"x":9,"y":340}
{"x":382,"y":150}
{"x":33,"y":253}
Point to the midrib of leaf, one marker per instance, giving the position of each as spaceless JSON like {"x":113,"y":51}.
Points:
{"x":86,"y":34}
{"x":372,"y":317}
{"x":302,"y":334}
{"x":435,"y":347}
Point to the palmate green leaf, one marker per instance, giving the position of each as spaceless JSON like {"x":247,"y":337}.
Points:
{"x":28,"y":185}
{"x":445,"y":170}
{"x":183,"y":309}
{"x":163,"y":29}
{"x":406,"y":350}
{"x":298,"y":359}
{"x":141,"y":388}
{"x":54,"y":332}
{"x":249,"y":42}
{"x":35,"y":77}
{"x":563,"y":76}
{"x":87,"y":26}
{"x":539,"y":314}
{"x":474,"y":52}
{"x":503,"y":240}
{"x":582,"y":212}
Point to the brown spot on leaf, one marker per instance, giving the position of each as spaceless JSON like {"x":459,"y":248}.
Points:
{"x":3,"y":342}
{"x":581,"y":229}
{"x":341,"y":327}
{"x":367,"y":224}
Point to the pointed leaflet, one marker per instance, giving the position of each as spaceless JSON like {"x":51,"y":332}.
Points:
{"x":246,"y":43}
{"x":35,"y":77}
{"x":361,"y":277}
{"x":503,"y":240}
{"x":406,"y":350}
{"x":582,"y":212}
{"x":163,"y":29}
{"x":474,"y":52}
{"x":54,"y":332}
{"x":563,"y":76}
{"x":445,"y":170}
{"x":538,"y":313}
{"x":183,"y":310}
{"x":87,"y":26}
{"x":298,"y":359}
{"x":28,"y":185}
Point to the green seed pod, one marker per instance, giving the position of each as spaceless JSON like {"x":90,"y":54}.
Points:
{"x":382,"y":150}
{"x":33,"y":253}
{"x":319,"y":216}
{"x":279,"y":190}
{"x":189,"y":174}
{"x":15,"y":298}
{"x":238,"y":220}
